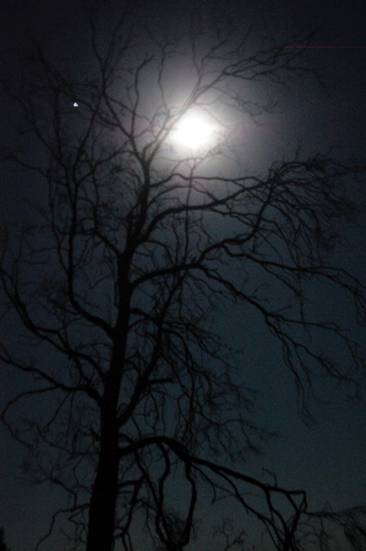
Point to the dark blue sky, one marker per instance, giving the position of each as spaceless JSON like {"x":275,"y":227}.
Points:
{"x":326,"y":458}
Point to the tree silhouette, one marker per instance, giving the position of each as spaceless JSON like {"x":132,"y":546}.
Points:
{"x":138,"y":242}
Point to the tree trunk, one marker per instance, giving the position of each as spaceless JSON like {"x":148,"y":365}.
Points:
{"x":103,"y":502}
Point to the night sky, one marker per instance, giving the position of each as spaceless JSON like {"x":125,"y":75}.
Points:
{"x":326,"y":457}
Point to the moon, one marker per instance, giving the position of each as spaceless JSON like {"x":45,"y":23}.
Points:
{"x":195,"y":132}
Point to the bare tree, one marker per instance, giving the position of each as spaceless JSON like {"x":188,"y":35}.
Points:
{"x":114,"y":287}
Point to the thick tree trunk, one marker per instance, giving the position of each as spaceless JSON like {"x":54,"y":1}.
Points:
{"x":103,"y":502}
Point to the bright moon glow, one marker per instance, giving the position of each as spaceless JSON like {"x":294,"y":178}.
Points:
{"x":195,"y":132}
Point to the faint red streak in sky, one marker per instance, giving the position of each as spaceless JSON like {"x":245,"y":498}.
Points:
{"x":324,"y":47}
